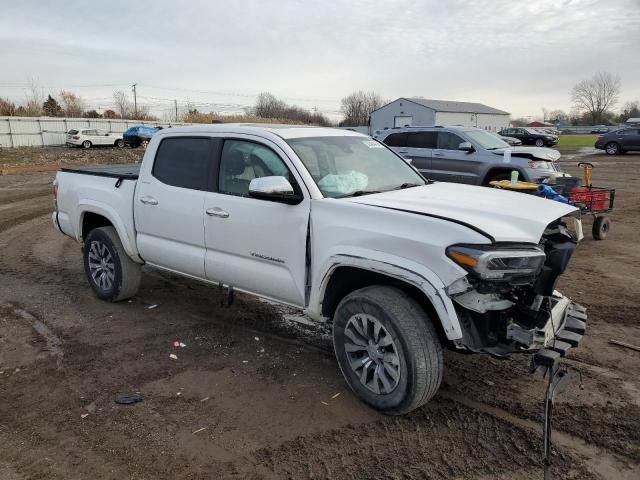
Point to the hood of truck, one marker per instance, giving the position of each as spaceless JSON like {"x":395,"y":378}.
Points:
{"x":534,"y":153}
{"x":500,"y":215}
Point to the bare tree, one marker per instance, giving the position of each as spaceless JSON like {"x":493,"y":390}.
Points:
{"x":34,"y":99}
{"x":7,"y":107}
{"x":122,"y":103}
{"x":559,"y":115}
{"x":268,"y":106}
{"x":357,"y":106}
{"x":72,"y":104}
{"x":630,"y":110}
{"x":596,"y":95}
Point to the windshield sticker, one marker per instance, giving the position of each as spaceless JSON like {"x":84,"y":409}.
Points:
{"x":372,"y":144}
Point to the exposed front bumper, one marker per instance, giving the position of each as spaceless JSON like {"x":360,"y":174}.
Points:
{"x":563,"y":330}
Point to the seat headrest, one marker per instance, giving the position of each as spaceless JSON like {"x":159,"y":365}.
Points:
{"x":236,"y":163}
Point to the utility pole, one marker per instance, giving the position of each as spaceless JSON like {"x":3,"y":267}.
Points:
{"x":175,"y":104}
{"x":135,"y":100}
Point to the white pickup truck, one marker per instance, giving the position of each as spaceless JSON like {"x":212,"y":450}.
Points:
{"x":339,"y":225}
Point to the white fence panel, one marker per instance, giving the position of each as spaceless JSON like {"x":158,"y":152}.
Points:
{"x":42,"y":131}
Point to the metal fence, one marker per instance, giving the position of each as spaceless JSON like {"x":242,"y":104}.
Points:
{"x":42,"y":131}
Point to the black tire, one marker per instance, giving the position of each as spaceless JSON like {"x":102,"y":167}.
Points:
{"x":123,"y":272}
{"x":119,"y":143}
{"x":86,"y":144}
{"x":419,"y":351}
{"x":612,"y":148}
{"x":144,"y":143}
{"x":601,"y":227}
{"x":539,"y":142}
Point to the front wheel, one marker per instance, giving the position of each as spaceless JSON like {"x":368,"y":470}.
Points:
{"x":387,"y":349}
{"x":113,"y":276}
{"x":539,"y":142}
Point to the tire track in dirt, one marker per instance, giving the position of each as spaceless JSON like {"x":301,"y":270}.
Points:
{"x":599,"y":460}
{"x":24,"y":210}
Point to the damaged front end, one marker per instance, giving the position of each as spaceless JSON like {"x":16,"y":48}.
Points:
{"x":508,"y":303}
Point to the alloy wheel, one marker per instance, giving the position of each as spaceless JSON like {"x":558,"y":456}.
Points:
{"x":372,"y":353}
{"x":101,"y":265}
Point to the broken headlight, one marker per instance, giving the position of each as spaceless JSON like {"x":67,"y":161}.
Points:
{"x":499,"y":263}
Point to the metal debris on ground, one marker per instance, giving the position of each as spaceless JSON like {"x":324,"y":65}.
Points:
{"x":324,"y":403}
{"x":84,"y":415}
{"x":151,"y":307}
{"x":173,"y":356}
{"x":624,"y":345}
{"x":198,"y":430}
{"x":129,"y":398}
{"x":335,"y":396}
{"x":204,"y":399}
{"x":257,"y":339}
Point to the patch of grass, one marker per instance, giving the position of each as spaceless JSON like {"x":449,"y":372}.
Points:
{"x":577,"y":140}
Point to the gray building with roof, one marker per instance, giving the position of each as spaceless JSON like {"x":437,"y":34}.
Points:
{"x":423,"y":112}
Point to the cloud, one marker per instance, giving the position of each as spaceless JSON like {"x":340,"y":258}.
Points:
{"x":518,"y":56}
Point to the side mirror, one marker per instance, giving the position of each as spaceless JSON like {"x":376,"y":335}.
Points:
{"x":466,"y":147}
{"x":275,"y":189}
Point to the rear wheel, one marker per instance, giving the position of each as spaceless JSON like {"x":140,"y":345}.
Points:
{"x":612,"y":148}
{"x":539,"y":142}
{"x":111,"y":273}
{"x":387,"y":349}
{"x":119,"y":143}
{"x":144,"y":143}
{"x":86,"y":144}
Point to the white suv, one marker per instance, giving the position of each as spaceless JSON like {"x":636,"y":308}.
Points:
{"x":92,"y":137}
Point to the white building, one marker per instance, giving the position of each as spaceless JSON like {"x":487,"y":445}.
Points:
{"x":428,"y":113}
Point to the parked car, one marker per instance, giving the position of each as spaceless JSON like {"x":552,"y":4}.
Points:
{"x":529,"y":136}
{"x":469,"y":155}
{"x":620,"y":141}
{"x":139,"y":135}
{"x":333,"y":222}
{"x":600,"y":129}
{"x":514,"y":142}
{"x":91,"y":137}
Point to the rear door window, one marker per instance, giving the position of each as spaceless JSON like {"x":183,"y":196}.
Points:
{"x":396,"y":140}
{"x":422,"y":140}
{"x":183,"y":162}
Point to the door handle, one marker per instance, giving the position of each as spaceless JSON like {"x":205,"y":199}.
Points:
{"x":438,"y":154}
{"x":149,"y":200}
{"x":217,"y":212}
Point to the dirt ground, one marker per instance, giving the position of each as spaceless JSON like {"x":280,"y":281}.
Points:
{"x":256,"y":395}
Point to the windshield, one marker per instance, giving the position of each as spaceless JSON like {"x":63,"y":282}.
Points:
{"x":348,"y":165}
{"x":486,"y":140}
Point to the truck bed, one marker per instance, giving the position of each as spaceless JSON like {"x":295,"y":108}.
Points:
{"x":126,"y":172}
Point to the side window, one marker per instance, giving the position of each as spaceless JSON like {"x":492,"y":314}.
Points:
{"x":448,"y":141}
{"x":90,"y":132}
{"x":242,"y":161}
{"x":422,"y":139}
{"x":396,"y":140}
{"x":183,"y":162}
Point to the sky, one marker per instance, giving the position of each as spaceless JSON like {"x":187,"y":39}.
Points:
{"x":520,"y":56}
